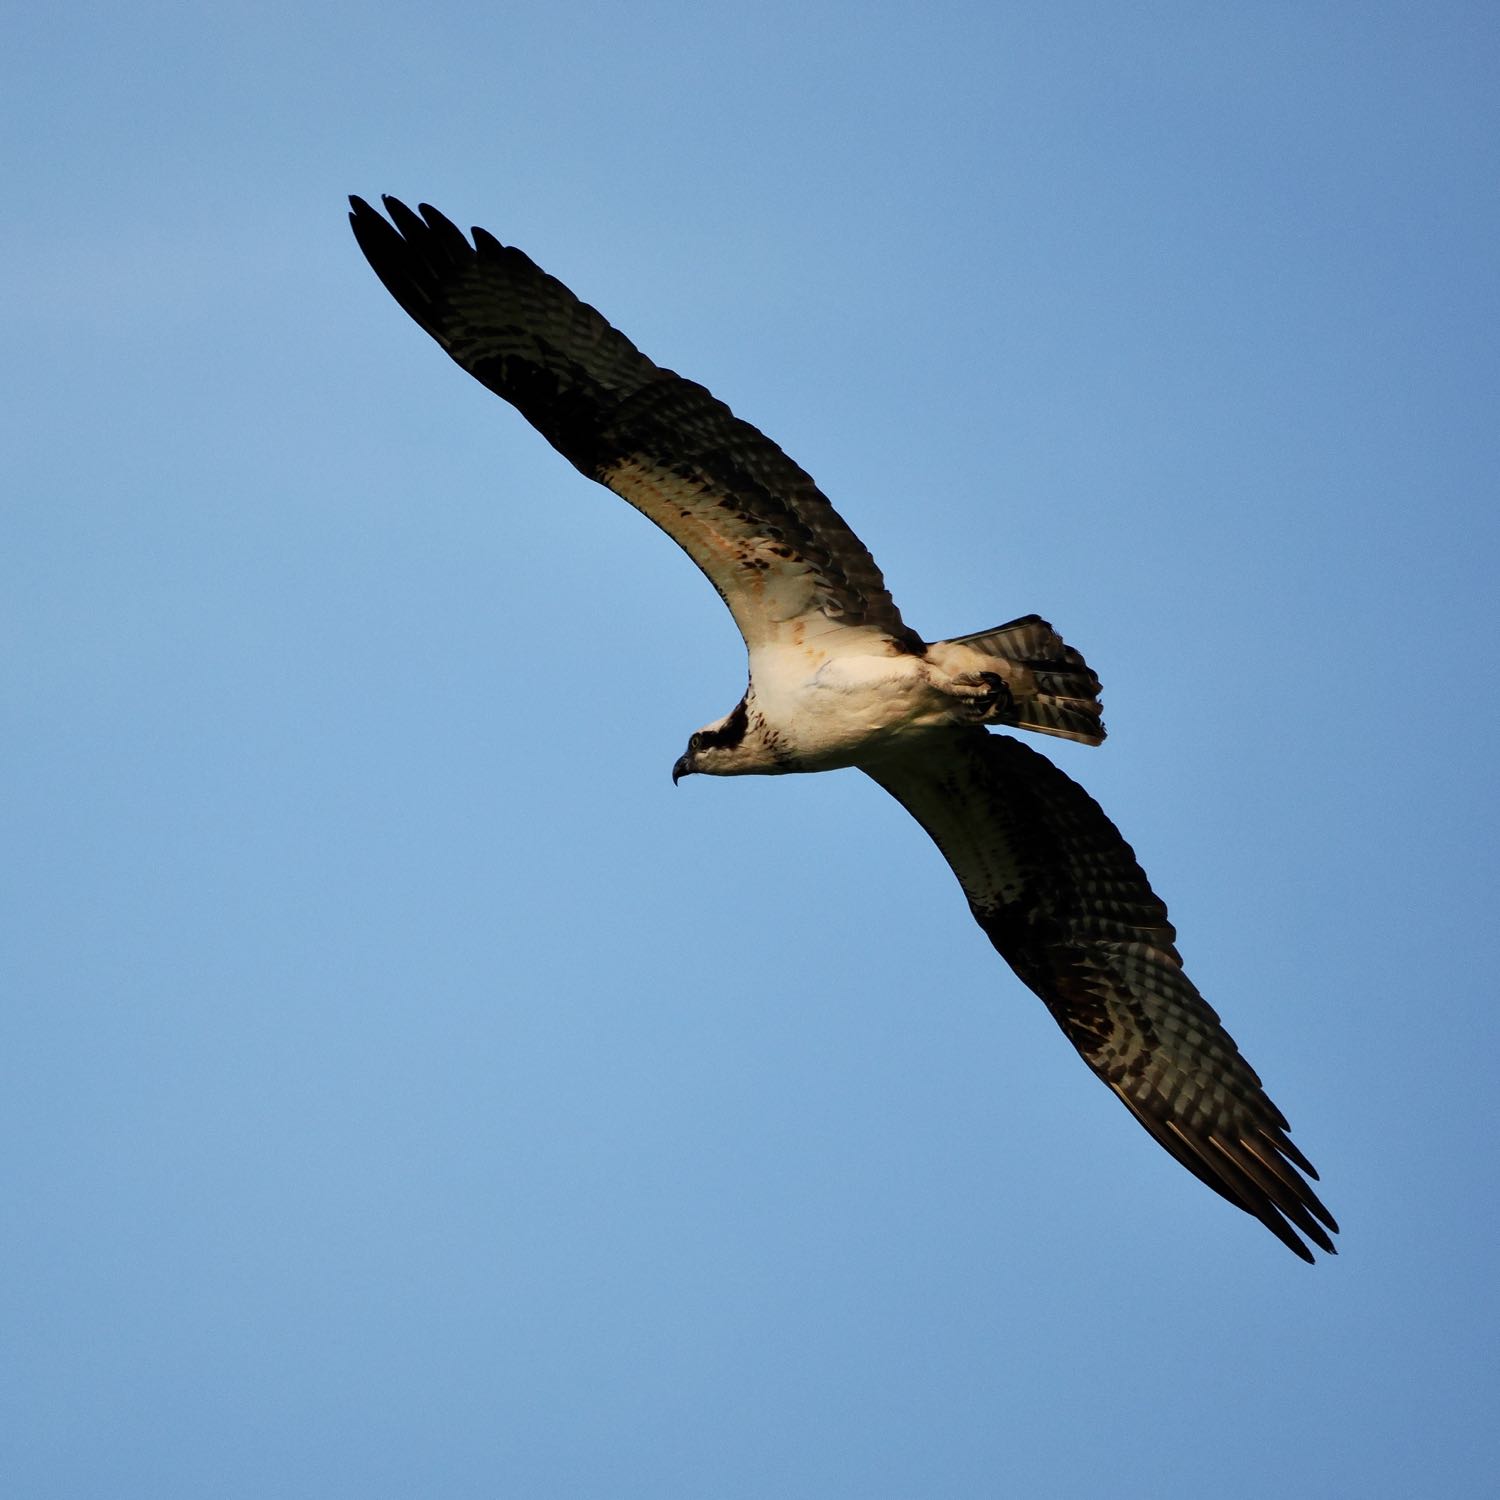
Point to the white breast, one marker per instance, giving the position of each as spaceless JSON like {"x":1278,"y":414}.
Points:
{"x":828,"y":708}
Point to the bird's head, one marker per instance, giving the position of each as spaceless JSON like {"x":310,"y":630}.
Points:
{"x":729,"y":747}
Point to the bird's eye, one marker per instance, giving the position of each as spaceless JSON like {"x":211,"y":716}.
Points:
{"x":695,"y":743}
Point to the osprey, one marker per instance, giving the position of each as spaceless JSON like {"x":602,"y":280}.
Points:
{"x":837,"y":678}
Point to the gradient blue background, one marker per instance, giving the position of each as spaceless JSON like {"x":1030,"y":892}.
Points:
{"x":407,"y":1092}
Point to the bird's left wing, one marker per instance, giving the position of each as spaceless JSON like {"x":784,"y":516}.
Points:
{"x":754,"y":522}
{"x":1058,"y":892}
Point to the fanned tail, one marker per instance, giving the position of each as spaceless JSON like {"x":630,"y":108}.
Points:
{"x":1057,"y":693}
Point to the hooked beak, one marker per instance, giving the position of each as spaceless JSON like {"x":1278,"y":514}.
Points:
{"x":681,"y":769}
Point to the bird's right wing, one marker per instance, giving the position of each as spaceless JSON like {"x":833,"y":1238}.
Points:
{"x":753,"y":521}
{"x":1060,"y":895}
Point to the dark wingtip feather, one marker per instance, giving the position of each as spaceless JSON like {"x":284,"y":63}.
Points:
{"x":1287,"y":1149}
{"x":1295,"y":1245}
{"x":486,"y":243}
{"x":412,"y":257}
{"x":401,"y":216}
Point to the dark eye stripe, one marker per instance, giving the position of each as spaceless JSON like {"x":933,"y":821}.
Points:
{"x":727,"y":737}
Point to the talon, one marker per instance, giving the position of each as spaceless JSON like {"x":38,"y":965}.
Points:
{"x":985,"y":697}
{"x":999,"y":689}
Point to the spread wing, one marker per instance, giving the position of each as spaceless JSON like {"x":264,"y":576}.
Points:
{"x":1060,"y":895}
{"x":754,"y":522}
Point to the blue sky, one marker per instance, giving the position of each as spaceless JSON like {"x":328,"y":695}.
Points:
{"x":407,"y":1091}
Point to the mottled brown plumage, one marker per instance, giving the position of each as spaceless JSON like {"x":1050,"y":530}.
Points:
{"x":765,"y":535}
{"x":1058,"y":892}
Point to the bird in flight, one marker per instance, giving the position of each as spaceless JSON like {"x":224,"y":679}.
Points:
{"x":837,"y":678}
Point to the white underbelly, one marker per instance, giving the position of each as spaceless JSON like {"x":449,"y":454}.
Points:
{"x":834,"y":711}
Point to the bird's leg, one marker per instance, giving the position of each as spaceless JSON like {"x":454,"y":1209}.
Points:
{"x":980,"y":697}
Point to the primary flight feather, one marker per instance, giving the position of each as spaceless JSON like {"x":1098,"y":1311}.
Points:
{"x":837,"y":678}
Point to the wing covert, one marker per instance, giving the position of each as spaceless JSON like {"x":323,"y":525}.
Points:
{"x":764,"y":534}
{"x":1059,"y":894}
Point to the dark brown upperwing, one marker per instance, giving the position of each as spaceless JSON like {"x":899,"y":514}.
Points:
{"x":754,"y":522}
{"x":1060,"y":895}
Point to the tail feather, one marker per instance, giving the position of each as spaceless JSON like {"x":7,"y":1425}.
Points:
{"x":1057,"y":693}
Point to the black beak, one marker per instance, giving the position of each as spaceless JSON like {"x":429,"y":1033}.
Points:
{"x":681,"y":769}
